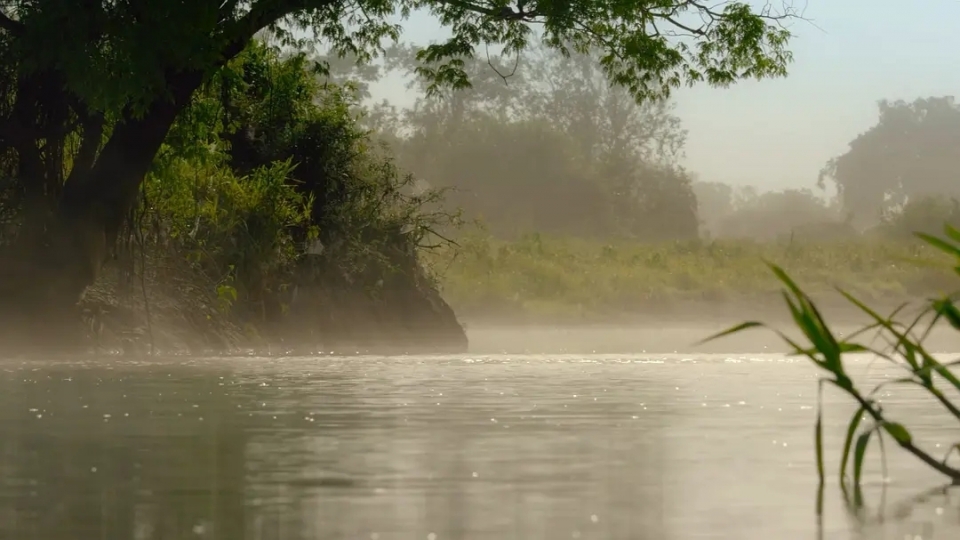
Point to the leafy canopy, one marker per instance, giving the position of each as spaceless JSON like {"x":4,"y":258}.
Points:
{"x":116,"y":54}
{"x":908,"y":155}
{"x":559,"y":132}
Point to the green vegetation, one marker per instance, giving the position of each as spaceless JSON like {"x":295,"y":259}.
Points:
{"x":564,"y":279}
{"x":905,"y":350}
{"x":571,"y":240}
{"x":909,"y":154}
{"x":556,"y":150}
{"x":265,"y":163}
{"x":162,"y":124}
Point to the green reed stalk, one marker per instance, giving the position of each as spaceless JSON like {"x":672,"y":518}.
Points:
{"x":906,"y":350}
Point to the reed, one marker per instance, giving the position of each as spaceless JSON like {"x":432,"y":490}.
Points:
{"x":904,"y":347}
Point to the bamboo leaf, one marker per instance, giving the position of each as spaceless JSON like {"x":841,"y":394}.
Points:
{"x":848,"y":442}
{"x":939,"y":244}
{"x":898,"y":432}
{"x":733,"y":330}
{"x":818,"y":432}
{"x":860,"y":450}
{"x":949,"y":311}
{"x":951,"y":232}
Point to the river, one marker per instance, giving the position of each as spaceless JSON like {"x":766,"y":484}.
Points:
{"x":486,"y":445}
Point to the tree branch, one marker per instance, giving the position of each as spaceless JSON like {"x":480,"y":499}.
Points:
{"x":262,"y":14}
{"x":505,"y":13}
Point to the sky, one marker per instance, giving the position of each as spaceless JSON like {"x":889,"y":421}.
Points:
{"x":776,"y":133}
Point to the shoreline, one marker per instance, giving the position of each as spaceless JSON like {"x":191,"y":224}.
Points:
{"x":772,"y":309}
{"x":678,"y":331}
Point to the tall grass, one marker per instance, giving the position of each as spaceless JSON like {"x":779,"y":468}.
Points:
{"x":551,"y":278}
{"x":905,"y":349}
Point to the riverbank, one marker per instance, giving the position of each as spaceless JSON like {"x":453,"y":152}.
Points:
{"x":173,"y":309}
{"x":538,"y":280}
{"x":534,"y":293}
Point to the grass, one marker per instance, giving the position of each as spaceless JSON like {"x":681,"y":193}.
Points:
{"x":905,"y":349}
{"x":556,"y":279}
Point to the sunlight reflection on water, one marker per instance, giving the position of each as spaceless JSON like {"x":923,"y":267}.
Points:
{"x":475,"y":446}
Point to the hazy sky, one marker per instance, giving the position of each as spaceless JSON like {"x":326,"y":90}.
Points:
{"x":776,"y":133}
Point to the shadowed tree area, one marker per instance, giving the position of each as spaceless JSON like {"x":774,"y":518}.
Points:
{"x":743,"y":212}
{"x":544,"y":143}
{"x":91,"y":90}
{"x":910,"y":154}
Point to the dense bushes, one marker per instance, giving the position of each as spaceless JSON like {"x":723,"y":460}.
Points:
{"x":267,"y":183}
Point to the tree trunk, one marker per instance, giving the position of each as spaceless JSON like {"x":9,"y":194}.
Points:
{"x":46,"y":276}
{"x":42,"y":279}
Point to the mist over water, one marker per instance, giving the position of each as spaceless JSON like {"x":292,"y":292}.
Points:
{"x":674,"y":338}
{"x":471,"y":446}
{"x":588,"y":430}
{"x":512,"y":206}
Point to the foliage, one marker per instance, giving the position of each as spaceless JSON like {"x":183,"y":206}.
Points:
{"x":906,"y":351}
{"x":91,"y":89}
{"x":926,"y":215}
{"x":118,"y":53}
{"x":556,"y":132}
{"x":266,"y":162}
{"x":730,"y":44}
{"x":909,"y":154}
{"x":771,"y":215}
{"x":556,"y":279}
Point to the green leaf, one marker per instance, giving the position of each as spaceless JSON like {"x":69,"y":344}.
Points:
{"x":902,"y":340}
{"x":940,"y":244}
{"x":859,"y":452}
{"x":846,"y":347}
{"x":848,"y":441}
{"x":898,"y":432}
{"x":946,"y":374}
{"x":733,"y":330}
{"x":951,"y":232}
{"x":889,"y":382}
{"x":949,"y":311}
{"x":818,"y":437}
{"x":809,"y":320}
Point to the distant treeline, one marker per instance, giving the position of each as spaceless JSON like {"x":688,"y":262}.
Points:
{"x":549,"y":147}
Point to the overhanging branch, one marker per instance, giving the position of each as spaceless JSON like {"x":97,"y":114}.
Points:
{"x":261,"y":15}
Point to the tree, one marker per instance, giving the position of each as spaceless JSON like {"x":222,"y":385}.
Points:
{"x":780,"y":214}
{"x":549,"y":145}
{"x":910,"y":153}
{"x":715,"y":201}
{"x":927,"y":215}
{"x":92,"y":87}
{"x":573,"y":94}
{"x":636,"y":147}
{"x":268,"y":192}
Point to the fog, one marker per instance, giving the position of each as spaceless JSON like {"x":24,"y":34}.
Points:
{"x":484,"y":313}
{"x":685,"y":340}
{"x":554,"y":149}
{"x":576,"y":206}
{"x":777,"y":134}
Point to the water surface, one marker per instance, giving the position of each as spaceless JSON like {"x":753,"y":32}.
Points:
{"x":459,"y":447}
